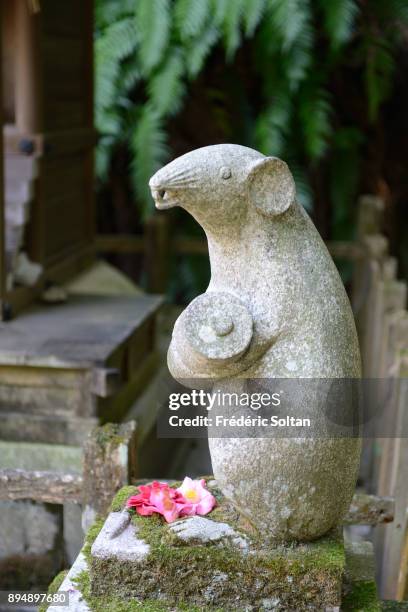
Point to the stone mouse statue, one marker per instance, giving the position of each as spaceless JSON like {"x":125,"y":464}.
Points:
{"x":275,"y":308}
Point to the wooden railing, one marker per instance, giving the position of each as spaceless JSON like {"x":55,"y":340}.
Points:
{"x":109,"y":463}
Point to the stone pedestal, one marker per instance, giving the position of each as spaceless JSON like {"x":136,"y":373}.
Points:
{"x":214,"y":561}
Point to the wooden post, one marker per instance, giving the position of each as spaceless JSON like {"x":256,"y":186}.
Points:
{"x":393,"y":549}
{"x":109,"y":464}
{"x":28,"y":99}
{"x":157,"y":252}
{"x":2,"y":211}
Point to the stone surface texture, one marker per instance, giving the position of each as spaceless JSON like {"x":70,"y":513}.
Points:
{"x":203,"y":530}
{"x":216,"y":562}
{"x":76,"y":600}
{"x":118,"y":540}
{"x":268,"y":258}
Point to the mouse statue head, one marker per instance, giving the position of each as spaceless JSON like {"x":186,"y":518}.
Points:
{"x":218,"y":184}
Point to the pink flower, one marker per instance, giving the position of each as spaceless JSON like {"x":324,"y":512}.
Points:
{"x":198,"y":499}
{"x":157,"y":497}
{"x":190,"y":498}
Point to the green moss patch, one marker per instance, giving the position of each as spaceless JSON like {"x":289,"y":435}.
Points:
{"x":114,"y":604}
{"x":394,"y":606}
{"x":109,"y":434}
{"x":361,"y":598}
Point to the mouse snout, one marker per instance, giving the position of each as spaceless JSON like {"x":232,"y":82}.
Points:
{"x":163,"y":196}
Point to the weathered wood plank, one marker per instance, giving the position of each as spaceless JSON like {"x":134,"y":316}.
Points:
{"x":128,"y":243}
{"x":46,"y":487}
{"x":394,"y":536}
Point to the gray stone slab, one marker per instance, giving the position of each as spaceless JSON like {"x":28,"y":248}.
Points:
{"x":118,"y":539}
{"x":202,"y":530}
{"x":76,"y":600}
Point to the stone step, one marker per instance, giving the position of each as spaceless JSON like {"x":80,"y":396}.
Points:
{"x":25,"y":427}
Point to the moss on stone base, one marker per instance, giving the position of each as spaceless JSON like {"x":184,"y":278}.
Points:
{"x":361,"y":598}
{"x":109,"y":434}
{"x":394,"y":606}
{"x":114,"y":604}
{"x":222,"y":576}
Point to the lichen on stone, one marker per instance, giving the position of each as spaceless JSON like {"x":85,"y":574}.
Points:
{"x":109,"y":434}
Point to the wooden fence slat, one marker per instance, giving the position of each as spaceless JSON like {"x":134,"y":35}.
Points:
{"x":393,"y":539}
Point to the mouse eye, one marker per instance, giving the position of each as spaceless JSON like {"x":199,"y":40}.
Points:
{"x":225,"y":172}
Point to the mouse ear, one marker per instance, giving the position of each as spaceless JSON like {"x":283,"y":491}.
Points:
{"x":271,"y":186}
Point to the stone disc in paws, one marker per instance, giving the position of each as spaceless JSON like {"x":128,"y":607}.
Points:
{"x":218,"y":326}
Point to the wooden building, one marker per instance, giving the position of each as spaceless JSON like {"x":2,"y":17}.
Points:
{"x":47,"y":205}
{"x":63,"y":367}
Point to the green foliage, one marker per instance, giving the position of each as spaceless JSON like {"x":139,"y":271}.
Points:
{"x":149,"y":53}
{"x":190,"y":17}
{"x":253,"y":15}
{"x":379,"y":69}
{"x":338,"y":20}
{"x":148,"y":146}
{"x":314,"y":114}
{"x":153,"y":26}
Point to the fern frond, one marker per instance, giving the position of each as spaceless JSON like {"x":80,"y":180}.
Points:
{"x":108,"y":121}
{"x":272,"y":126}
{"x":304,"y":191}
{"x":109,"y":11}
{"x":296,"y":62}
{"x":338,"y":18}
{"x":314,"y":114}
{"x":253,"y":12}
{"x":232,"y":27}
{"x":219,"y":9}
{"x":149,"y":151}
{"x":378,"y":77}
{"x":289,"y":18}
{"x":117,"y":40}
{"x":199,"y":49}
{"x":166,"y":88}
{"x":115,"y":43}
{"x":128,"y":76}
{"x":153,"y":26}
{"x":190,"y":17}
